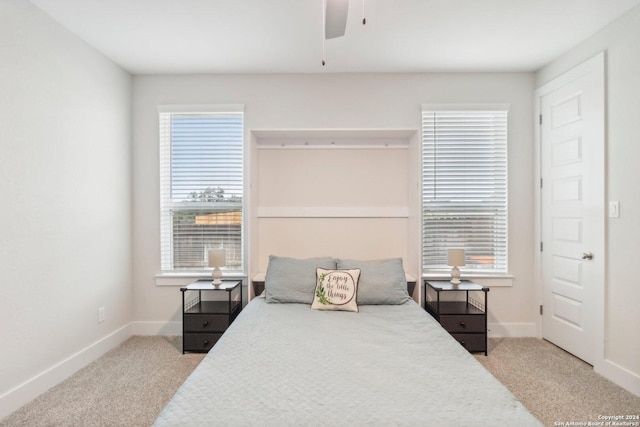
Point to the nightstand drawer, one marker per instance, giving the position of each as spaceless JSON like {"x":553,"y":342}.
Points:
{"x":462,"y":323}
{"x":206,"y":322}
{"x":200,"y":342}
{"x":472,"y":342}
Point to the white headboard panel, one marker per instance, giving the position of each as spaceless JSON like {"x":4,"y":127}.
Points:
{"x":355,"y":238}
{"x":344,"y":193}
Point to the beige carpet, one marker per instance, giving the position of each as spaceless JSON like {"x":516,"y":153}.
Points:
{"x":128,"y":386}
{"x":131,"y":384}
{"x":555,"y":386}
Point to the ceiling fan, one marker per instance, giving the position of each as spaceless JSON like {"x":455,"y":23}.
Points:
{"x":335,"y":19}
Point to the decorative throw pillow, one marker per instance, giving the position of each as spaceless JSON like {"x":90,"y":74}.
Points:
{"x":336,"y":290}
{"x":292,"y":280}
{"x":382,"y":281}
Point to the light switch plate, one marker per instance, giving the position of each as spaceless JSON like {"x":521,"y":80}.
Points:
{"x":614,"y":209}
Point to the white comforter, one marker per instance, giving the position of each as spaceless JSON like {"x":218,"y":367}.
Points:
{"x":285,"y":364}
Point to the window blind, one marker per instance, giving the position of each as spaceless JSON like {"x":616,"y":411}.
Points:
{"x":201,"y":188}
{"x":464,"y":190}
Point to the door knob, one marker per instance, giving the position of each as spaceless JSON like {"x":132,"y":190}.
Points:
{"x":587,"y":255}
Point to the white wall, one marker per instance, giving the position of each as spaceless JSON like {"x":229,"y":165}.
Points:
{"x":65,"y":220}
{"x":337,"y":101}
{"x":622,"y":317}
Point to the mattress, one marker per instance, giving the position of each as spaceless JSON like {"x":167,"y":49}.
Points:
{"x":285,"y":364}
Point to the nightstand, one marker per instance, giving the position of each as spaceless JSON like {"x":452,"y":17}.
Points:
{"x":465,"y":320}
{"x":204,"y":321}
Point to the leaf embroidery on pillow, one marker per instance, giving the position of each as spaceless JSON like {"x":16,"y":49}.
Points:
{"x":320,"y":291}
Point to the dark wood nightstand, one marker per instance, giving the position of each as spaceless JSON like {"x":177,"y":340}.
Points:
{"x":465,"y":320}
{"x":204,"y":322}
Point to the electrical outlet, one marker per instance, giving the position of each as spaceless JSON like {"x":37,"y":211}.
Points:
{"x":101,"y":315}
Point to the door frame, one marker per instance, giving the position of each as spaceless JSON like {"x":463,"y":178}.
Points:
{"x":595,"y":64}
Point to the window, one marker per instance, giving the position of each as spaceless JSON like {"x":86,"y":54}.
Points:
{"x":201,"y":186}
{"x":464,"y":187}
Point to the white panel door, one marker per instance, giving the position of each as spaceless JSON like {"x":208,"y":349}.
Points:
{"x":572,"y":212}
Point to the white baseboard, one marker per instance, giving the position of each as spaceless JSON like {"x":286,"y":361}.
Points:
{"x":157,"y":328}
{"x":511,"y":330}
{"x":32,"y":388}
{"x":621,"y":376}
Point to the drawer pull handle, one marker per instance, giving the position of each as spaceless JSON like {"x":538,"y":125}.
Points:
{"x":205,"y":343}
{"x":462,"y":324}
{"x":205,"y":324}
{"x":463,"y":344}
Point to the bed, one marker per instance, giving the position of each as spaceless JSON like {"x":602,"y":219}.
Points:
{"x":283,"y":363}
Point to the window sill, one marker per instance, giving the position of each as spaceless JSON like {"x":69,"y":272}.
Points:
{"x":491,"y":280}
{"x":185,"y":277}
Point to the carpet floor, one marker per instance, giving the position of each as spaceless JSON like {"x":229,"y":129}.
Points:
{"x":131,"y":384}
{"x":128,"y":386}
{"x":556,"y":387}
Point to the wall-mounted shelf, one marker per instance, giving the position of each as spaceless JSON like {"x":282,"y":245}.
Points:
{"x":333,"y":139}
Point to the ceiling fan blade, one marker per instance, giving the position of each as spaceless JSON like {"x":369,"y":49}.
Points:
{"x":335,"y":18}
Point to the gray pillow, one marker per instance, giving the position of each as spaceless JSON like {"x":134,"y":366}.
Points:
{"x":381,"y":281}
{"x":293,"y":280}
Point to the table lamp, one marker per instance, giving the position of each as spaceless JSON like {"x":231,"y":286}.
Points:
{"x":217,"y":259}
{"x":455,"y":258}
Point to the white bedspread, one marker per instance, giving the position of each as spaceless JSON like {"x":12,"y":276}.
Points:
{"x":285,"y":364}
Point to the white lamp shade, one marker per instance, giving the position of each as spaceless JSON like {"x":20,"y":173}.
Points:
{"x":217,"y":257}
{"x":455,"y":257}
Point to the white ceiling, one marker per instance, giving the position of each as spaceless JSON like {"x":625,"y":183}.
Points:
{"x":265,"y":36}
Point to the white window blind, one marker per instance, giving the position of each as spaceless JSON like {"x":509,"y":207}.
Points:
{"x":464,"y":190}
{"x":201,"y":188}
